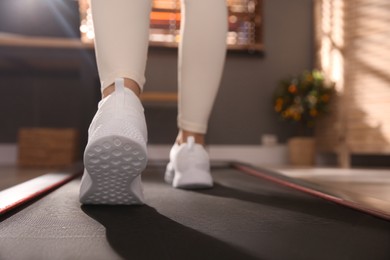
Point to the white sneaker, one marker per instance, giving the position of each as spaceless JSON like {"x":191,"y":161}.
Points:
{"x":170,"y":172}
{"x":115,"y":154}
{"x":189,"y":166}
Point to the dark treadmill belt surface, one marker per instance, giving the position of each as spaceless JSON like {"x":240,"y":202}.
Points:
{"x":243,"y":217}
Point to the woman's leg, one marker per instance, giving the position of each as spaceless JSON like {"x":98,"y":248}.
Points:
{"x":116,"y":153}
{"x":201,"y":60}
{"x":121,"y":41}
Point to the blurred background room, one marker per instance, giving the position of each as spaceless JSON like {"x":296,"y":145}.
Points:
{"x":284,"y":58}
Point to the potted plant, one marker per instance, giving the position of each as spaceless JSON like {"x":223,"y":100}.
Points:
{"x":302,"y":99}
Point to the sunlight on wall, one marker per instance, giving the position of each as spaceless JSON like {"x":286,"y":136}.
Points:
{"x":332,"y":41}
{"x":370,"y":63}
{"x":353,"y":49}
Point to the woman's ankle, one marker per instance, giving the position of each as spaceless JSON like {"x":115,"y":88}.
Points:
{"x":184,"y":134}
{"x":128,"y":83}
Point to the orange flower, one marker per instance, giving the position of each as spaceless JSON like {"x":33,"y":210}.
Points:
{"x":292,"y":88}
{"x":313,"y":112}
{"x":279,"y":101}
{"x":278,"y":104}
{"x":325,"y":98}
{"x":297,"y":116}
{"x":286,"y":113}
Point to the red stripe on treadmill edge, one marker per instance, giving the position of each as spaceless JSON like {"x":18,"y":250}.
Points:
{"x":33,"y":194}
{"x":257,"y":173}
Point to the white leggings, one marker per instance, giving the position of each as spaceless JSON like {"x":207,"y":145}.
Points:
{"x":121,"y":44}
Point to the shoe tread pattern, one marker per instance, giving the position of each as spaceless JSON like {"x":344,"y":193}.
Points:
{"x":113,"y":162}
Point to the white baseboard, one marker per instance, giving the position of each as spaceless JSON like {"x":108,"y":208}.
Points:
{"x":252,"y":154}
{"x":8,"y":154}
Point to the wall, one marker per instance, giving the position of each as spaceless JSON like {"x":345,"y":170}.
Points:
{"x":243,"y":110}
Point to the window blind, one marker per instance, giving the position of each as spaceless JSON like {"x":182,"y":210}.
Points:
{"x":353,"y":49}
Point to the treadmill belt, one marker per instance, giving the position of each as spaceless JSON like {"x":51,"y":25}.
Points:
{"x":242,"y":217}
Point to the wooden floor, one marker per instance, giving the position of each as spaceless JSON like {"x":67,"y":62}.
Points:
{"x":11,"y":175}
{"x":367,"y":187}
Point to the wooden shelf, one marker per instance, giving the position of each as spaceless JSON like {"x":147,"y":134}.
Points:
{"x":157,"y":96}
{"x":16,"y":40}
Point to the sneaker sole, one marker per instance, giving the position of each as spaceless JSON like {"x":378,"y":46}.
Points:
{"x":112,"y":163}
